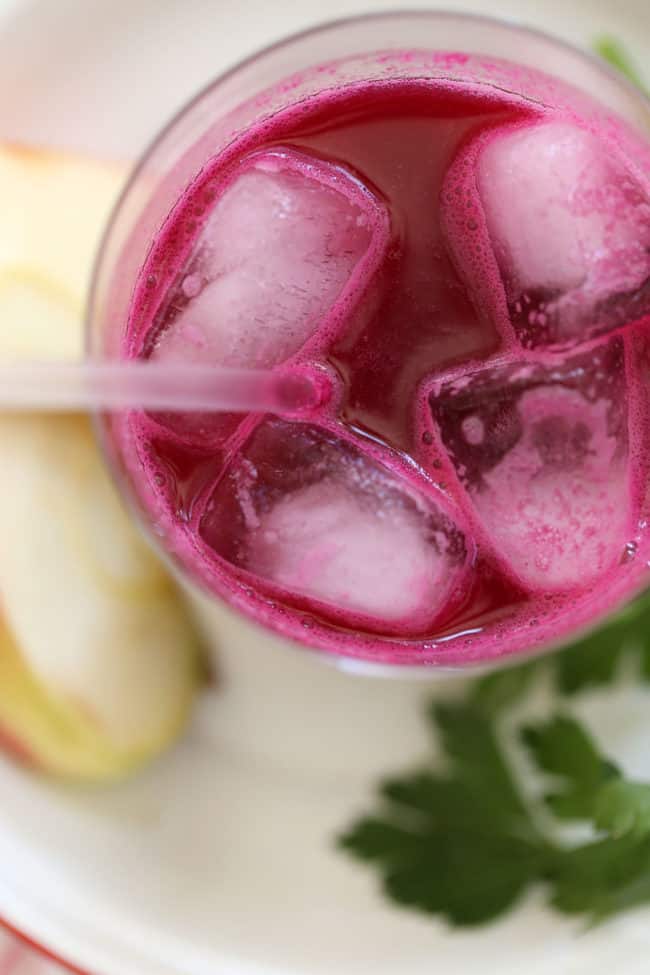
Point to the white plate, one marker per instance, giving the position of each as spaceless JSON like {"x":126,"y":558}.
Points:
{"x":219,"y":860}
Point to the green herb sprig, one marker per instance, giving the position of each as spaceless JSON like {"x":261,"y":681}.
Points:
{"x":464,"y":840}
{"x":615,"y":54}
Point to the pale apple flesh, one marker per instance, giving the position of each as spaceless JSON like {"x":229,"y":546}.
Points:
{"x":99,"y":661}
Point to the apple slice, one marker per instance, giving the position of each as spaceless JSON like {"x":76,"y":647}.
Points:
{"x":54,"y":208}
{"x":98,"y":656}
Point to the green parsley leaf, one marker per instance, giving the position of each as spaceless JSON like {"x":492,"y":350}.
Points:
{"x":459,"y":843}
{"x":615,"y":54}
{"x":602,"y":878}
{"x":478,"y":765}
{"x":502,"y":688}
{"x":468,"y":878}
{"x":462,"y":841}
{"x":375,"y":839}
{"x":623,"y":807}
{"x":594,"y":661}
{"x":597,"y":659}
{"x":563,"y":748}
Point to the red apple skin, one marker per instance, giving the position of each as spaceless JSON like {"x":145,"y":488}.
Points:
{"x":15,"y":749}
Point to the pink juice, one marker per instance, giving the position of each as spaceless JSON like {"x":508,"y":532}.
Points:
{"x":470,"y":271}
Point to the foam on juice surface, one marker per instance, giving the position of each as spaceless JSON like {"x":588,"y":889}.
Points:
{"x":455,"y":258}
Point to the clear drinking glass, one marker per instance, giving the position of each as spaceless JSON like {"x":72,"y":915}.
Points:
{"x":263,"y":85}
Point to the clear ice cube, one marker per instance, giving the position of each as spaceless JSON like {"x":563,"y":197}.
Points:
{"x":570,"y":227}
{"x":282,"y":244}
{"x":543,"y":454}
{"x":321,"y":521}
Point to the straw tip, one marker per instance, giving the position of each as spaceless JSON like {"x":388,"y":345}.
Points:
{"x":303,"y":392}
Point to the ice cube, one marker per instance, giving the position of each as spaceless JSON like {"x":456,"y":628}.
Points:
{"x":570,"y":226}
{"x":286,"y":241}
{"x":323,"y":522}
{"x":543,"y":454}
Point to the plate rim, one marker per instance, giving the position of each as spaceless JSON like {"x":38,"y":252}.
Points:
{"x":31,"y":941}
{"x":43,"y":952}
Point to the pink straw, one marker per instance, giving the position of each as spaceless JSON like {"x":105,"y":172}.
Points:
{"x":128,"y":385}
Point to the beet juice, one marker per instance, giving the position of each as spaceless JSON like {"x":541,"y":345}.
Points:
{"x":467,"y":269}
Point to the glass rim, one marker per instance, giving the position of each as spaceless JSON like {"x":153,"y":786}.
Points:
{"x":314,"y":30}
